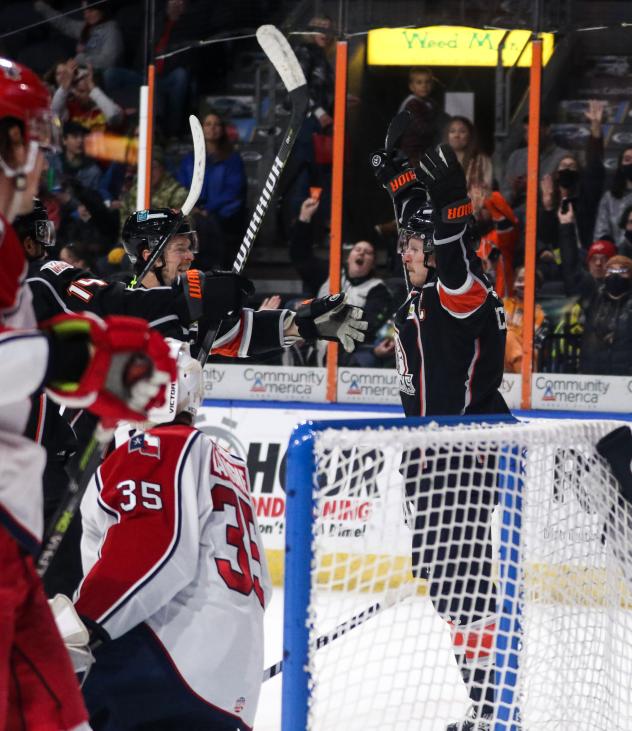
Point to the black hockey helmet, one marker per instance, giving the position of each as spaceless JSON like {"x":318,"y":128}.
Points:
{"x":36,"y":224}
{"x":416,"y":222}
{"x":145,"y":230}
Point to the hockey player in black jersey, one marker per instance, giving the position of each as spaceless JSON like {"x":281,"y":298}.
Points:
{"x":450,"y":341}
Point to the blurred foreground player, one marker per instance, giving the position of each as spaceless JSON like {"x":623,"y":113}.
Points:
{"x":450,"y":342}
{"x":175,"y":582}
{"x":78,"y":359}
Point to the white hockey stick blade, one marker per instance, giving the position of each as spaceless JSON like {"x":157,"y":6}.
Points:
{"x":199,"y":165}
{"x":280,"y":53}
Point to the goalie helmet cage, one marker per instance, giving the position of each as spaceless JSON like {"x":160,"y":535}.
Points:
{"x":561,"y":638}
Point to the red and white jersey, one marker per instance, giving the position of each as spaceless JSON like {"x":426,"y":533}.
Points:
{"x":170,"y":538}
{"x":23,"y":364}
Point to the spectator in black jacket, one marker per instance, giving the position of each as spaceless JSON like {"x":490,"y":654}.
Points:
{"x":606,"y":345}
{"x":576,"y":185}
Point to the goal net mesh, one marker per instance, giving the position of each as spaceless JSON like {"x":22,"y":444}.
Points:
{"x":486,"y":564}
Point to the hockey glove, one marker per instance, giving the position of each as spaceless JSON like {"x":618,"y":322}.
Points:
{"x":392,"y":170}
{"x":224,"y":294}
{"x":73,"y":632}
{"x":443,"y":176}
{"x":117,"y":367}
{"x":329,"y":318}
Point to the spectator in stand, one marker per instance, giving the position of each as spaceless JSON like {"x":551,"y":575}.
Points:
{"x":72,"y":163}
{"x":614,"y":201}
{"x":606,"y":344}
{"x":514,"y":185}
{"x":581,"y":283}
{"x":364,"y":289}
{"x":460,"y":134}
{"x":498,"y":230}
{"x":174,"y":26}
{"x":572,"y":183}
{"x":427,"y":117}
{"x":577,"y":279}
{"x":166,"y":192}
{"x":219,"y":214}
{"x":514,"y":315}
{"x":99,"y":41}
{"x":625,"y":224}
{"x":85,"y":221}
{"x":78,"y":99}
{"x":310,"y":162}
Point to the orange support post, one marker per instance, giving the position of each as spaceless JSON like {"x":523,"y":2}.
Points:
{"x":337,"y":186}
{"x":151,"y":83}
{"x":533,"y":155}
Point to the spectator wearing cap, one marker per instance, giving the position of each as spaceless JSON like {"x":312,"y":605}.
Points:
{"x":166,"y":192}
{"x":606,"y":343}
{"x":78,"y":99}
{"x":99,"y":40}
{"x":579,"y":279}
{"x":72,"y":165}
{"x":614,"y":201}
{"x":514,"y":183}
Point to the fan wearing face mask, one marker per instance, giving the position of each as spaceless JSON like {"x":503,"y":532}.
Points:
{"x":614,"y":201}
{"x":606,"y":344}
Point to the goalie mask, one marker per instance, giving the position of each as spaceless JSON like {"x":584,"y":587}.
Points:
{"x":146,"y":229}
{"x":185,"y":394}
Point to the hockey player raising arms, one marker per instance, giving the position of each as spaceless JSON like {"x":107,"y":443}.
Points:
{"x":79,"y":359}
{"x":450,"y":338}
{"x":175,"y":579}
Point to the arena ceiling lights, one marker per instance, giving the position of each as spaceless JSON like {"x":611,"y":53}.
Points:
{"x":447,"y":45}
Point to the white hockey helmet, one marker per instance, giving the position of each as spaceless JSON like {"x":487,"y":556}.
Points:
{"x":186,"y":392}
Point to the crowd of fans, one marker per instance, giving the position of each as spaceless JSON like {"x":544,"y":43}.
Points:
{"x":584,"y":227}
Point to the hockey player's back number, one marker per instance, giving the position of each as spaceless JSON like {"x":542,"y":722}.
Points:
{"x":243,"y":579}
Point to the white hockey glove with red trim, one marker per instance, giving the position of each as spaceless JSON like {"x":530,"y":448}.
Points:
{"x":117,"y":367}
{"x":330,"y":318}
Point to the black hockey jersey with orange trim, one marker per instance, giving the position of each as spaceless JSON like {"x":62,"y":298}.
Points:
{"x":450,"y":338}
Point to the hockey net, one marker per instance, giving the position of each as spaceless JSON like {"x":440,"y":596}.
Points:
{"x":544,"y":615}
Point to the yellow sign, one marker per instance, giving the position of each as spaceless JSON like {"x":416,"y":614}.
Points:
{"x":445,"y":45}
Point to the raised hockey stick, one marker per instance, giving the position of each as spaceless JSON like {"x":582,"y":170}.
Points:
{"x":395,"y":130}
{"x":397,"y":127}
{"x":199,"y":165}
{"x":282,"y":57}
{"x":392,"y":597}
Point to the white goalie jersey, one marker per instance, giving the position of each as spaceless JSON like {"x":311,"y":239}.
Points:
{"x":170,"y":539}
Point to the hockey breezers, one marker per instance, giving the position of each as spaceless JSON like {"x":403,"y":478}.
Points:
{"x":282,"y":57}
{"x":199,"y":166}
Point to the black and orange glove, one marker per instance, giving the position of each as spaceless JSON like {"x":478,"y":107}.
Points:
{"x":442,"y":174}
